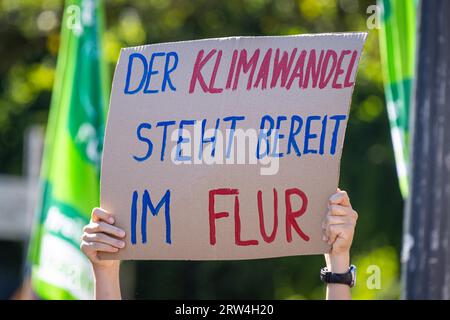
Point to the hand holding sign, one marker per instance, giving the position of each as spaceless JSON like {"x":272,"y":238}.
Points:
{"x":101,"y":236}
{"x":227,"y":148}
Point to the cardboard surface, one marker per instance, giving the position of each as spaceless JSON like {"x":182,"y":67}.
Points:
{"x":176,"y":202}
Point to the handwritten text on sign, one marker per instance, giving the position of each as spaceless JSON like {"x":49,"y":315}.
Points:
{"x":227,"y":148}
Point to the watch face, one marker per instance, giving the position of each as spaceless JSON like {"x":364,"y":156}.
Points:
{"x":353,"y":273}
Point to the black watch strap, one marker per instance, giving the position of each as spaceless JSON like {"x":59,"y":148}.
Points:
{"x":347,"y":278}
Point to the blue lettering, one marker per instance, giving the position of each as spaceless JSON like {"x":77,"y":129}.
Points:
{"x":164,"y":124}
{"x":152,"y":72}
{"x":277,"y":137}
{"x":144,"y":139}
{"x":264,"y":136}
{"x":133,"y":217}
{"x":233,"y":120}
{"x":128,"y":78}
{"x":208,"y":140}
{"x":322,"y":135}
{"x":147,"y":203}
{"x":338,"y":118}
{"x":309,"y":135}
{"x":293,"y":132}
{"x":181,"y":140}
{"x":167,"y":71}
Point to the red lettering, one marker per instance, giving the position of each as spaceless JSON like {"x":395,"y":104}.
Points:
{"x":309,"y":68}
{"x":339,"y":70}
{"x":264,"y":70}
{"x":347,"y":82}
{"x":292,"y":215}
{"x":245,"y":66}
{"x":217,"y":215}
{"x":282,"y":66}
{"x":197,"y":73}
{"x":272,"y":236}
{"x":298,"y":71}
{"x":324,"y":77}
{"x":313,"y":68}
{"x":214,"y":73}
{"x":237,"y":228}
{"x":231,"y":71}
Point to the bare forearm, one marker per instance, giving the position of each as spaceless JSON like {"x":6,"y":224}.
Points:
{"x":338,"y":264}
{"x":107,"y":282}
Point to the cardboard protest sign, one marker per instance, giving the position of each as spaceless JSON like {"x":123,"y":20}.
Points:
{"x":227,"y":148}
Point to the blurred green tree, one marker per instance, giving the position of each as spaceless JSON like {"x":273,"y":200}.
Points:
{"x":29,"y":32}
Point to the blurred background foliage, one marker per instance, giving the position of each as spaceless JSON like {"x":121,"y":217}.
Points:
{"x":29,"y":33}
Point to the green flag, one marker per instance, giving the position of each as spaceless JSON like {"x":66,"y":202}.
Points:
{"x":71,"y":162}
{"x":398,"y":47}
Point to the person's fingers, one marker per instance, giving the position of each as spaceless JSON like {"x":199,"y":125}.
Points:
{"x":330,"y":220}
{"x":341,"y":198}
{"x":324,"y":233}
{"x":98,"y":214}
{"x":339,"y":223}
{"x":337,"y":210}
{"x":103,"y":238}
{"x":327,"y":232}
{"x":332,"y":232}
{"x":96,"y":227}
{"x":340,"y":235}
{"x":89,"y":251}
{"x":93,"y":247}
{"x":84,"y":248}
{"x":98,"y":246}
{"x":332,"y":238}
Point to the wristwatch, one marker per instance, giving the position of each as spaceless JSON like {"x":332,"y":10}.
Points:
{"x":348,"y":278}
